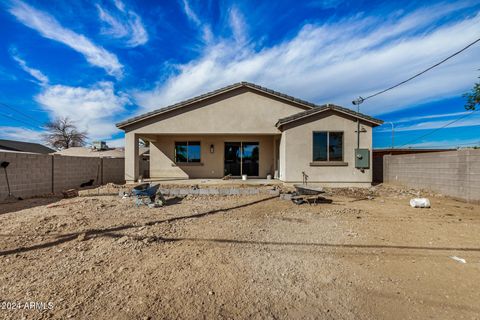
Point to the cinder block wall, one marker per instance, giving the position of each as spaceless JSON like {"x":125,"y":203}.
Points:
{"x":114,"y":170}
{"x":71,"y":172}
{"x":33,"y":175}
{"x":27,"y":174}
{"x":452,"y":173}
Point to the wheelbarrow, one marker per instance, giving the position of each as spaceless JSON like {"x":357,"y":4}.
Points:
{"x":146,"y":193}
{"x":303,"y":189}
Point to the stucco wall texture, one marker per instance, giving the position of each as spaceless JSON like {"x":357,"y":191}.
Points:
{"x":248,"y":117}
{"x":240,"y":112}
{"x":298,"y":139}
{"x":33,"y":175}
{"x":212,"y":164}
{"x":237,"y":116}
{"x":452,"y":173}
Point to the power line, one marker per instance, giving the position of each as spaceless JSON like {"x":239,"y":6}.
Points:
{"x":361,"y":99}
{"x":440,"y":128}
{"x":20,"y":121}
{"x":23,"y":114}
{"x":468,"y":144}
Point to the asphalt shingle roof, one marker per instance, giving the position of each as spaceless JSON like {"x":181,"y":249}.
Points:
{"x":13,"y":145}
{"x":185,"y":103}
{"x":312,"y":108}
{"x":325,"y":107}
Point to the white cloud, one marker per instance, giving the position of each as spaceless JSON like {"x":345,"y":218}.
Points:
{"x":21,"y":134}
{"x":191,"y":15}
{"x":115,"y":27}
{"x":431,"y":116}
{"x":446,"y":143}
{"x":338,"y":62}
{"x":120,"y":5}
{"x":468,"y":121}
{"x":93,"y":108}
{"x":50,"y":28}
{"x":206,"y":30}
{"x":237,"y":24}
{"x":37,"y":74}
{"x":123,"y":25}
{"x":116,"y":143}
{"x":459,"y":119}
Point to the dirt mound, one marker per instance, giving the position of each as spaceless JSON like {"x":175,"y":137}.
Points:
{"x":382,"y":190}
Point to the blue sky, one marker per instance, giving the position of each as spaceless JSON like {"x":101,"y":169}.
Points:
{"x":100,"y":62}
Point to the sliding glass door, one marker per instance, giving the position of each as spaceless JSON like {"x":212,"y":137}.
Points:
{"x":241,"y":158}
{"x":233,"y":158}
{"x":250,"y":158}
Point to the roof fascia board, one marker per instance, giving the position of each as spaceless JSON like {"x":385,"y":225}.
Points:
{"x":279,"y":124}
{"x":250,"y":86}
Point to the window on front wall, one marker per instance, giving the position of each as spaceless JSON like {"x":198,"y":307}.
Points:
{"x":327,"y":146}
{"x":188,"y":151}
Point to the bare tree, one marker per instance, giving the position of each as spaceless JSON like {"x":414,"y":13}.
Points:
{"x":62,"y":133}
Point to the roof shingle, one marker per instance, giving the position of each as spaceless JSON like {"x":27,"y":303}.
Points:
{"x":207,"y":95}
{"x":312,"y":108}
{"x":21,"y":146}
{"x":325,"y":107}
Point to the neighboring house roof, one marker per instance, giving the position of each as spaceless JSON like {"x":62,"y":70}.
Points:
{"x":326,"y":107}
{"x":12,"y":145}
{"x":300,"y":102}
{"x":89,"y":152}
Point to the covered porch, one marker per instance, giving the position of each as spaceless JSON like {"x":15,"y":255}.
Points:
{"x":204,"y":156}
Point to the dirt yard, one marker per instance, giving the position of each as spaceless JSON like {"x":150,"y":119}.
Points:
{"x":248,"y":257}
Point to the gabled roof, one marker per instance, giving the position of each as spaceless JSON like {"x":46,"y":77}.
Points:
{"x":326,"y":107}
{"x":300,"y":102}
{"x":13,"y":145}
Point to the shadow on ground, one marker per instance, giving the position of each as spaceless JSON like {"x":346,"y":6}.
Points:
{"x":114,"y":233}
{"x":99,"y":232}
{"x":19,"y":205}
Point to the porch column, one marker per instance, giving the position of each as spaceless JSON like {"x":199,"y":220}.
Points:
{"x":282,"y":157}
{"x":274,"y":141}
{"x":131,"y":157}
{"x":276,"y":156}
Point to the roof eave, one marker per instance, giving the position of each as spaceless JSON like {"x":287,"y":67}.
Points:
{"x":375,"y":122}
{"x":175,"y":106}
{"x":214,"y":93}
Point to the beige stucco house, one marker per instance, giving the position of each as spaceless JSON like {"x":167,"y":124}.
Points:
{"x":248,"y":129}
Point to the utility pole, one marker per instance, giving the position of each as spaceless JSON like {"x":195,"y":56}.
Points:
{"x":393,"y":134}
{"x":357,"y":103}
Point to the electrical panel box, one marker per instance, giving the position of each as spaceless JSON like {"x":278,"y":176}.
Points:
{"x":362,"y":158}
